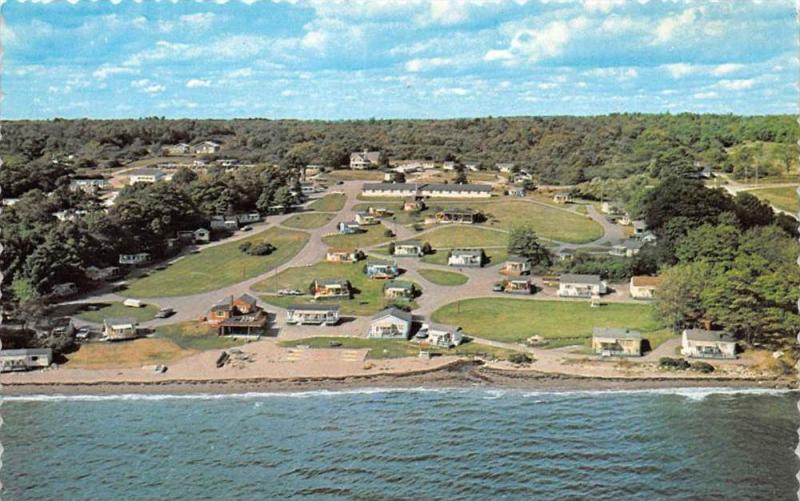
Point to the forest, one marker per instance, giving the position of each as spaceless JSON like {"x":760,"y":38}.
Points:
{"x":559,"y":150}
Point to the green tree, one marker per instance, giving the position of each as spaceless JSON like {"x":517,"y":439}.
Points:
{"x":523,"y":241}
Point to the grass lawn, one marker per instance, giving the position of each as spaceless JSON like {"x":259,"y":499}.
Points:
{"x":354,"y":175}
{"x":464,"y":236}
{"x":98,"y":311}
{"x":549,"y":222}
{"x":367,"y":300}
{"x":373,"y":236}
{"x":196,"y":336}
{"x":308,"y":220}
{"x":395,"y":348}
{"x":329,"y":203}
{"x":219,"y":266}
{"x":505,"y":319}
{"x":440,"y":277}
{"x":784,"y":198}
{"x":135,"y":353}
{"x":496,"y":256}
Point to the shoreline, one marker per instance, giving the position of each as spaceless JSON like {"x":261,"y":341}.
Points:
{"x":461,"y":375}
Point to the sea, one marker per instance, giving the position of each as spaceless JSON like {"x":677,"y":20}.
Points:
{"x":404,"y":444}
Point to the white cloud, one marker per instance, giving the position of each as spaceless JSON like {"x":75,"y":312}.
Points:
{"x":537,"y":44}
{"x":196,"y":82}
{"x":240,"y":73}
{"x":200,"y":20}
{"x":450,"y":91}
{"x":736,"y":84}
{"x":316,"y":40}
{"x":288,"y":93}
{"x":724,"y":69}
{"x":679,"y":70}
{"x":617,"y":24}
{"x":618,"y":73}
{"x":416,"y":65}
{"x":105,"y":71}
{"x":498,"y":55}
{"x":669,"y":26}
{"x":602,"y":5}
{"x":705,"y":95}
{"x":147,"y":86}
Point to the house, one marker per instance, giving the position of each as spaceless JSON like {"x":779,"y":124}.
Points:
{"x":224,"y":223}
{"x":109,"y":272}
{"x":89,"y":185}
{"x":411,"y":248}
{"x":516,"y":265}
{"x":64,"y":290}
{"x":562,"y":198}
{"x":701,"y":343}
{"x":398,"y":289}
{"x":242,"y":317}
{"x":565,"y":254}
{"x":413,"y":205}
{"x":145,"y":175}
{"x":456,"y":190}
{"x":440,"y":335}
{"x":229,"y":162}
{"x":517,"y":191}
{"x":134,"y":259}
{"x":391,"y":323}
{"x":248,"y":217}
{"x":625,"y":220}
{"x":349,"y":227}
{"x":25,"y":359}
{"x":178,"y":149}
{"x":315,"y":314}
{"x":362,"y":160}
{"x":472,"y":167}
{"x":521,"y":177}
{"x":448,"y":166}
{"x":380,"y":268}
{"x":466,"y":257}
{"x":647,"y":237}
{"x":330,"y":288}
{"x":505,"y":167}
{"x":609,"y":208}
{"x":609,"y":341}
{"x":458,"y":215}
{"x":639,"y":227}
{"x":586,"y":286}
{"x":400,"y":190}
{"x":201,"y":235}
{"x":518,"y":286}
{"x":343,"y":255}
{"x":644,"y":287}
{"x":206,"y":148}
{"x":379,"y":211}
{"x":220,"y":311}
{"x":365,"y":218}
{"x":628,"y":248}
{"x":120,"y":329}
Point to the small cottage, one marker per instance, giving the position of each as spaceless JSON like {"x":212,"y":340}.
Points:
{"x":330,"y":288}
{"x":398,"y":289}
{"x":516,"y":265}
{"x":349,"y":227}
{"x":609,"y":341}
{"x":517,"y":191}
{"x":119,"y":329}
{"x":313,"y":314}
{"x":363,"y":160}
{"x":391,"y":323}
{"x":517,"y":286}
{"x":381,"y":268}
{"x":466,"y":257}
{"x":25,"y":359}
{"x":644,"y":287}
{"x":413,"y":205}
{"x":562,"y":198}
{"x":134,"y":259}
{"x":583,"y":286}
{"x":699,"y":343}
{"x":364,"y":218}
{"x":342,"y":255}
{"x":146,"y":175}
{"x":628,"y":248}
{"x":440,"y":335}
{"x":458,"y":215}
{"x":207,"y":148}
{"x":409,"y":248}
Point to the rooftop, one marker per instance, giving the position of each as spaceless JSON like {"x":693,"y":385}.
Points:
{"x":26,"y":351}
{"x":394,"y":312}
{"x":645,"y":281}
{"x":313,"y":307}
{"x":616,"y":333}
{"x":570,"y":278}
{"x":704,"y":335}
{"x":398,"y":284}
{"x":457,"y":187}
{"x":467,"y":252}
{"x":145,"y":171}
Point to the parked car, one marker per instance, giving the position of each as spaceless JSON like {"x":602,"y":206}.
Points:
{"x":165,"y":312}
{"x":498,"y":287}
{"x":289,"y":292}
{"x":247,"y":228}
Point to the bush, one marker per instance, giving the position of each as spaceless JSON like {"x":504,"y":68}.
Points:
{"x":673,"y":363}
{"x":703,"y":367}
{"x":519,"y":358}
{"x":388,"y":233}
{"x":259,"y":249}
{"x":426,"y":248}
{"x":391,"y":248}
{"x":245,"y":247}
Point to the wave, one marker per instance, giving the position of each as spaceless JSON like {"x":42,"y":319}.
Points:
{"x":693,"y":393}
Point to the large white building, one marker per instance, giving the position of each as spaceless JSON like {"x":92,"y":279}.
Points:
{"x":406,"y":190}
{"x":586,"y":286}
{"x":362,"y":160}
{"x":146,"y":175}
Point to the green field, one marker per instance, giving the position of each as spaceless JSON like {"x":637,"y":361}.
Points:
{"x":195,"y":336}
{"x":548,"y":222}
{"x":373,"y":236}
{"x":96,"y":312}
{"x":354,"y":175}
{"x":218,"y":266}
{"x":440,"y":277}
{"x":308,"y":220}
{"x":394,"y":348}
{"x":783,"y":198}
{"x":464,"y":236}
{"x":514,"y":320}
{"x":329,"y":203}
{"x":368,"y":298}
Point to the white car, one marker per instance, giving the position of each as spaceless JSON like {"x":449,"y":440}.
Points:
{"x":289,"y":292}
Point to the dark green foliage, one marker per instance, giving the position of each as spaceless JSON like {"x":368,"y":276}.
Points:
{"x":520,"y":358}
{"x":523,"y":241}
{"x":703,"y":367}
{"x":261,"y":249}
{"x":673,"y":363}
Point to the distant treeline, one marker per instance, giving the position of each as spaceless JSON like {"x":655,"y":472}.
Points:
{"x":557,"y":149}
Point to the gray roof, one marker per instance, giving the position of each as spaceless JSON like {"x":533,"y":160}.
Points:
{"x":247,"y":298}
{"x":443,"y":327}
{"x":391,"y":186}
{"x":27,"y":351}
{"x":331,"y":281}
{"x":633,"y":244}
{"x":395,"y":312}
{"x":380,"y":262}
{"x":518,"y":259}
{"x":459,"y":210}
{"x":146,"y":172}
{"x":580,"y":279}
{"x":313,"y":307}
{"x":704,"y":335}
{"x":398,"y":284}
{"x":418,"y":243}
{"x":617,"y":333}
{"x":457,"y":187}
{"x":467,"y":252}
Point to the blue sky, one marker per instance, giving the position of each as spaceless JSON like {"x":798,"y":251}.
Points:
{"x":337,"y":59}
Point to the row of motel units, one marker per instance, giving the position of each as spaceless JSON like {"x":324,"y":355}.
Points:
{"x":343,"y":255}
{"x":409,"y":248}
{"x":312,"y":314}
{"x":583,"y":286}
{"x":474,"y":258}
{"x":413,"y":190}
{"x":25,"y":359}
{"x":238,"y":317}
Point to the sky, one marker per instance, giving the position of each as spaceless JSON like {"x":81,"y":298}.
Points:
{"x":358,"y":59}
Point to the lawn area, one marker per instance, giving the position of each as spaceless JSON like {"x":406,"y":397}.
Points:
{"x":496,"y":256}
{"x":96,"y":312}
{"x":354,"y":175}
{"x":505,"y":319}
{"x":440,"y":277}
{"x":219,"y":266}
{"x":367,"y":300}
{"x":549,"y":222}
{"x":329,"y":203}
{"x":464,"y":236}
{"x":395,"y":348}
{"x":135,"y":353}
{"x":784,"y":198}
{"x":196,"y":336}
{"x":373,"y":236}
{"x":308,"y":220}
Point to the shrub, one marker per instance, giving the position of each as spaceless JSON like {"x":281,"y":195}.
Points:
{"x":391,"y":248}
{"x":519,"y":358}
{"x":673,"y":363}
{"x":703,"y":367}
{"x":245,"y":247}
{"x":259,"y":249}
{"x":426,"y":248}
{"x":388,"y":233}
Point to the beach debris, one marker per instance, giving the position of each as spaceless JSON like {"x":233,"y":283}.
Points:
{"x":160,"y":369}
{"x":223,"y":357}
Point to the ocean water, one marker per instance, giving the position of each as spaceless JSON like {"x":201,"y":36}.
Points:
{"x":693,"y":444}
